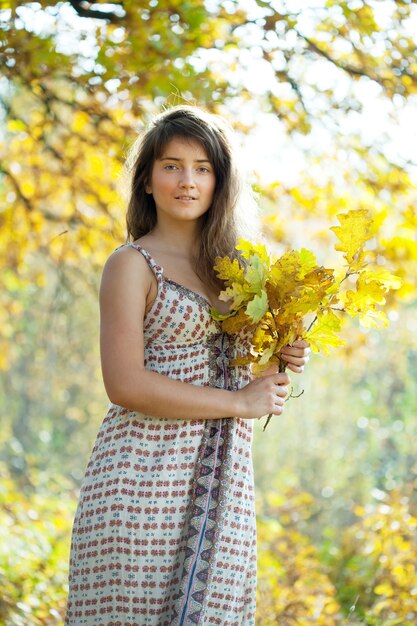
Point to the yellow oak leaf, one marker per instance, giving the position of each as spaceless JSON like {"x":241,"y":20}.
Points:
{"x":267,"y":354}
{"x":371,"y":288}
{"x":290,"y":334}
{"x":353,"y":232}
{"x":236,"y":322}
{"x":285,"y":269}
{"x":264,"y":333}
{"x":382,"y":276}
{"x":307,"y":261}
{"x":228,"y":270}
{"x":248,"y":249}
{"x":237,"y":294}
{"x":308,"y":301}
{"x":243,"y":360}
{"x":319,"y":277}
{"x":323,"y":333}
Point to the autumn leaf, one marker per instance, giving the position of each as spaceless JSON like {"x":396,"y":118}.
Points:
{"x":237,"y":294}
{"x":229,"y":270}
{"x":354,"y":231}
{"x":325,"y":332}
{"x":255,"y":273}
{"x":236,"y":323}
{"x":249,"y":249}
{"x":257,"y":307}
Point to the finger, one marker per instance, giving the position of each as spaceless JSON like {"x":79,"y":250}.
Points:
{"x":296,"y":368}
{"x":290,"y":350}
{"x":296,"y":360}
{"x":278,"y":408}
{"x":301,"y":343}
{"x":279,"y":401}
{"x":282,"y":378}
{"x":282,"y":391}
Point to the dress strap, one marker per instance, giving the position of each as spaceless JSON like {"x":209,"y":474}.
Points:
{"x":157,"y":269}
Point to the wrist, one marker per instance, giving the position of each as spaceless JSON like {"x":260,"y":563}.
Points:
{"x":238,"y":404}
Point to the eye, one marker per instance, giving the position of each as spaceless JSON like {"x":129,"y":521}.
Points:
{"x":170,"y":166}
{"x":204,"y":169}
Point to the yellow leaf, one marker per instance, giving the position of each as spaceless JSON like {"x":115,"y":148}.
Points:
{"x":237,"y":294}
{"x":373,"y":319}
{"x":228,"y":270}
{"x":307,"y":260}
{"x":353,"y":233}
{"x":236,"y":322}
{"x":319,"y":277}
{"x":382,"y":276}
{"x":267,"y":354}
{"x":258,"y":369}
{"x":242,"y":360}
{"x":323,"y":334}
{"x":248,"y":249}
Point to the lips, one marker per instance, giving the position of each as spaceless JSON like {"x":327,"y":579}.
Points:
{"x":185,"y":198}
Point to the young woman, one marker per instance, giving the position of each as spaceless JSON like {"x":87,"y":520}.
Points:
{"x":165,"y":528}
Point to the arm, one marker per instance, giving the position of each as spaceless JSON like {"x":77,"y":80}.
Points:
{"x":125,"y":287}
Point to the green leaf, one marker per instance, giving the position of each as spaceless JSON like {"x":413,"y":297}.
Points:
{"x":257,"y":307}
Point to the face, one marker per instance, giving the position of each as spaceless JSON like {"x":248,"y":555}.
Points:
{"x":182,"y":181}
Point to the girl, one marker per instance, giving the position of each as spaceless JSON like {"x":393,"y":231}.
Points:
{"x":165,"y":528}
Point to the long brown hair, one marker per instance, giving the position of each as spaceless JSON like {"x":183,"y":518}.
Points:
{"x":220,"y":225}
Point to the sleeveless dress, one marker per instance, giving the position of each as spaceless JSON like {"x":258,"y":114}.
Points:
{"x":164,"y":533}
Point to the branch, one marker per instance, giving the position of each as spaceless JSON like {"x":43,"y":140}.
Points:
{"x":353,"y":71}
{"x":16,"y":185}
{"x":83,"y":10}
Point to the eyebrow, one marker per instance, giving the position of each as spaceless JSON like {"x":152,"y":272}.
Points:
{"x":168,"y":158}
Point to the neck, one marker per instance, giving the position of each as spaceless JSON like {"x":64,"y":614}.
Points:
{"x":174,"y":237}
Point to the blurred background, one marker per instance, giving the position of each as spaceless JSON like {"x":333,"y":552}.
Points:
{"x":323,"y":96}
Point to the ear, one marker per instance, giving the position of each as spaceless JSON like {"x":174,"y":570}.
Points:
{"x":148,"y":188}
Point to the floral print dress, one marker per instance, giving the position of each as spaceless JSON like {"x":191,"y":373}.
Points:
{"x":164,"y":533}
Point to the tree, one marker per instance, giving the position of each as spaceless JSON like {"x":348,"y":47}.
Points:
{"x":80,"y":78}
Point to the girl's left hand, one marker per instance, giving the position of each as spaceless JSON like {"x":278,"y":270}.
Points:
{"x":296,"y":356}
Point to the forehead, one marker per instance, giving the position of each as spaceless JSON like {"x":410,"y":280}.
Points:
{"x":182,"y":147}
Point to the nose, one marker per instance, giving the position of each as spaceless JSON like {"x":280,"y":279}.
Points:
{"x":187,"y":178}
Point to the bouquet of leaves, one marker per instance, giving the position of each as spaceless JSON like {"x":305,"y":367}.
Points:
{"x":279,"y":300}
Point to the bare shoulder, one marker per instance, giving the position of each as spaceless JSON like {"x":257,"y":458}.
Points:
{"x":126,"y":262}
{"x":126,"y":274}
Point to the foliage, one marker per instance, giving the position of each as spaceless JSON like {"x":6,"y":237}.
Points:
{"x":375,"y":568}
{"x":51,"y":394}
{"x":78,"y":80}
{"x":367,"y":578}
{"x":294,"y":588}
{"x":353,"y":430}
{"x":387,"y":191}
{"x":34,"y":552}
{"x":273,"y":297}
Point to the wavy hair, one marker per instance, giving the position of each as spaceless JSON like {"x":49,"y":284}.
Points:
{"x":220,"y":225}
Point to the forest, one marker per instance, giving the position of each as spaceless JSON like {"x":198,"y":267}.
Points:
{"x":322,"y":95}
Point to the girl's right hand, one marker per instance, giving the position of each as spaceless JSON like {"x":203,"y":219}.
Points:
{"x":263,"y":396}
